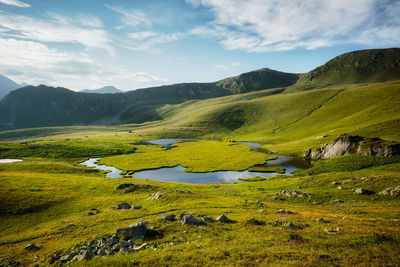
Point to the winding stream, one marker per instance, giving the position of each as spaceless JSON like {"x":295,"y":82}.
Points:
{"x":178,"y":174}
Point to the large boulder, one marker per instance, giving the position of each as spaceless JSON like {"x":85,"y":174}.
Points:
{"x":124,"y":206}
{"x":134,"y":232}
{"x":347,"y":144}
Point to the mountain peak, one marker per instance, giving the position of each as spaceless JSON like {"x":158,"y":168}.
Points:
{"x":103,"y":90}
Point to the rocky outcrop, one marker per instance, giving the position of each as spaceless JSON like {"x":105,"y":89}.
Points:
{"x":347,"y":144}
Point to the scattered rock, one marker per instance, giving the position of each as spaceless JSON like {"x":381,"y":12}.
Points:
{"x":283,"y":211}
{"x":69,"y":225}
{"x":338,"y":201}
{"x":362,"y":191}
{"x":122,"y":186}
{"x":339,"y":187}
{"x":332,"y":230}
{"x":124,"y":206}
{"x":137,"y":207}
{"x":134,"y":232}
{"x":392,"y":191}
{"x":222,"y":218}
{"x":208,"y":219}
{"x":31,"y":247}
{"x":321,"y":220}
{"x":168,"y":217}
{"x":294,"y":193}
{"x":89,"y":213}
{"x":335,"y":183}
{"x":157,"y":195}
{"x":68,"y":257}
{"x":84,"y":255}
{"x":289,"y":224}
{"x":188,"y":219}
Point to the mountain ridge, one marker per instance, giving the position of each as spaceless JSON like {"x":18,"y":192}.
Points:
{"x":40,"y":106}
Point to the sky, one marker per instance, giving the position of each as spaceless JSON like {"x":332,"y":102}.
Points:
{"x":134,"y":44}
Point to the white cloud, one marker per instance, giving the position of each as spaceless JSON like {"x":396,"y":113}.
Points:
{"x":148,"y":40}
{"x":142,"y":35}
{"x":57,"y":29}
{"x":273,"y":25}
{"x":15,"y":3}
{"x":130,"y":17}
{"x":36,"y":63}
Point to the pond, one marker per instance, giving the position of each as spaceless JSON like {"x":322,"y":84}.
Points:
{"x":178,"y":174}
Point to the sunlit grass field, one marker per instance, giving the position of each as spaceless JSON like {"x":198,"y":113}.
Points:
{"x":43,"y":195}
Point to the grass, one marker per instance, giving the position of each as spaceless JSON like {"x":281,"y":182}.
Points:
{"x":47,"y":202}
{"x":267,"y":169}
{"x":196,"y":156}
{"x":253,"y":179}
{"x":47,"y":191}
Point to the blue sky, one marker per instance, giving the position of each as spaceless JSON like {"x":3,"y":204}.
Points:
{"x":141,"y":43}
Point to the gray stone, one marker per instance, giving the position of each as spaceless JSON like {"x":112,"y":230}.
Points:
{"x":135,"y":232}
{"x":168,"y":217}
{"x":289,"y":224}
{"x":142,"y":246}
{"x":222,"y":218}
{"x":122,"y":186}
{"x":31,"y":247}
{"x":339,"y":187}
{"x":335,"y":183}
{"x":124,"y":206}
{"x":362,"y":191}
{"x":125,"y":243}
{"x":116,"y":247}
{"x":137,"y":207}
{"x":208,"y":219}
{"x":84,"y":255}
{"x":156,"y":195}
{"x":188,"y":219}
{"x":68,"y":257}
{"x":392,"y":191}
{"x":283,"y":211}
{"x":89,"y":213}
{"x":294,"y":193}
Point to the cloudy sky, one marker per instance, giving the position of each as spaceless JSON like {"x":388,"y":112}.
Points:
{"x":135,"y":44}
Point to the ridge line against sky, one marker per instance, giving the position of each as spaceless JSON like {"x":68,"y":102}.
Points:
{"x":137,"y":44}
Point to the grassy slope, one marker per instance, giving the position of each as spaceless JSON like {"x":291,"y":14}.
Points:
{"x":368,"y":235}
{"x":289,"y":122}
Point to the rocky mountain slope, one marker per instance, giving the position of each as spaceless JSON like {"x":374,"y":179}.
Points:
{"x":103,"y":90}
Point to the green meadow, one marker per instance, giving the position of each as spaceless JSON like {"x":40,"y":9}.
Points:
{"x":45,"y":198}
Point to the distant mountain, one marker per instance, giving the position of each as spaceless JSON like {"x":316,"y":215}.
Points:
{"x":103,"y":90}
{"x":47,"y":106}
{"x":375,"y":65}
{"x":6,"y":86}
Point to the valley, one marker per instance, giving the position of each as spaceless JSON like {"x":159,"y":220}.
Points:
{"x":339,"y":211}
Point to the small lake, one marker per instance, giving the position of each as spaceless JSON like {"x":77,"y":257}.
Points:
{"x":178,"y":174}
{"x":9,"y":160}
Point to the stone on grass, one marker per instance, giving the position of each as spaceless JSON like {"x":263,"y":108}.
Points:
{"x":283,"y":211}
{"x":222,"y":218}
{"x":188,"y":219}
{"x":124,"y":206}
{"x":255,"y":222}
{"x":122,"y":186}
{"x":137,"y":207}
{"x":289,"y":224}
{"x":294,"y":193}
{"x":31,"y":247}
{"x":156,"y":195}
{"x":208,"y":219}
{"x":134,"y":232}
{"x":168,"y":217}
{"x":136,"y":248}
{"x":84,"y":255}
{"x":362,"y":191}
{"x":392,"y":191}
{"x":68,"y":257}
